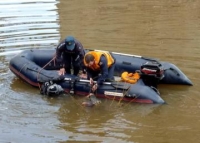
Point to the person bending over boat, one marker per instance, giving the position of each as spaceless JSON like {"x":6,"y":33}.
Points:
{"x":100,"y":66}
{"x":70,"y":52}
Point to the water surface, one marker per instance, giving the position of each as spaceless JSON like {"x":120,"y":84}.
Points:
{"x":167,"y":30}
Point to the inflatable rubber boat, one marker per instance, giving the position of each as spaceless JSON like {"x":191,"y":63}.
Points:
{"x":36,"y":66}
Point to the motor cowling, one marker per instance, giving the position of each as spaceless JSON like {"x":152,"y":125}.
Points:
{"x":152,"y":72}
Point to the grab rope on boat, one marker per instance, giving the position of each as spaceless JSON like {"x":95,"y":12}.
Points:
{"x":53,"y":59}
{"x":175,"y":71}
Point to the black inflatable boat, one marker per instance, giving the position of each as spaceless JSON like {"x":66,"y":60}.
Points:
{"x":34,"y":66}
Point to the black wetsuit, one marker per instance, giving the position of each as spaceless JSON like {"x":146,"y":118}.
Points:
{"x":69,"y":58}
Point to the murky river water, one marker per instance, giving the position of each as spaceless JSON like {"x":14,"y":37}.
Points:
{"x":165,"y":29}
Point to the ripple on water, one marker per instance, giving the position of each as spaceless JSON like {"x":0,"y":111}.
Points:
{"x":28,"y":23}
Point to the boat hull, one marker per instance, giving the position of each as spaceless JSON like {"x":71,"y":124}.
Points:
{"x":34,"y":66}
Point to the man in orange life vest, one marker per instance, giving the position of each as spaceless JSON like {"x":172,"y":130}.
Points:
{"x":70,"y":52}
{"x":100,"y":66}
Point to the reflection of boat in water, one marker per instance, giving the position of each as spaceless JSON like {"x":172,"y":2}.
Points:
{"x":32,"y":67}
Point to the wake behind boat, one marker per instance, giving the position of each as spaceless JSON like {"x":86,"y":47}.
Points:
{"x":34,"y":66}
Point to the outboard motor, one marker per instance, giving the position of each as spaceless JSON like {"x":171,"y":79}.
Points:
{"x":152,"y":73}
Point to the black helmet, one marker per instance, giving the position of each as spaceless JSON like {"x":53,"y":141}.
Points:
{"x":50,"y":88}
{"x":54,"y":89}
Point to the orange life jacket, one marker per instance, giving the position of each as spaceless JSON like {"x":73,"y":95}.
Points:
{"x":97,"y":55}
{"x":130,"y":77}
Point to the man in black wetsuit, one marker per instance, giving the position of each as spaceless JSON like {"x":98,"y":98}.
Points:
{"x":70,"y":54}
